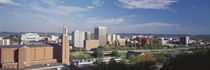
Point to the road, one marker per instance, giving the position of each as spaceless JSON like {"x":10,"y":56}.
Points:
{"x":152,"y":50}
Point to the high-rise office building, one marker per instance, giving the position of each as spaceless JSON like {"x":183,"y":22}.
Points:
{"x":87,"y":36}
{"x":118,"y":37}
{"x":185,"y":40}
{"x":109,"y":37}
{"x":100,"y":34}
{"x":113,"y":37}
{"x":78,"y":39}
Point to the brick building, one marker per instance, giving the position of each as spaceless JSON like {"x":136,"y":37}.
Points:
{"x":20,"y":56}
{"x":91,"y":44}
{"x":147,"y":41}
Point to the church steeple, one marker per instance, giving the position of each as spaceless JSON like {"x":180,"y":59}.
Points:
{"x":65,"y":29}
{"x":65,"y":45}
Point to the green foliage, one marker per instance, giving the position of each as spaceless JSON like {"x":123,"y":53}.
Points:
{"x":112,"y":61}
{"x":136,"y":59}
{"x":99,"y":52}
{"x":202,"y":51}
{"x":115,"y":53}
{"x":13,"y":38}
{"x":162,"y":59}
{"x":74,"y":49}
{"x":113,"y":65}
{"x":73,"y":57}
{"x":132,"y":59}
{"x":156,"y":46}
{"x":199,"y":60}
{"x":98,"y":61}
{"x":119,"y":47}
{"x":140,"y":59}
{"x":132,"y":48}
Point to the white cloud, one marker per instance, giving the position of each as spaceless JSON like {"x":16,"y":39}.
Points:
{"x":146,"y":4}
{"x":9,"y":2}
{"x":50,"y":2}
{"x":156,"y":27}
{"x":159,"y":24}
{"x":90,"y":7}
{"x":80,"y":15}
{"x":61,"y":10}
{"x":132,"y":16}
{"x":97,"y":21}
{"x":98,"y":2}
{"x":57,"y":9}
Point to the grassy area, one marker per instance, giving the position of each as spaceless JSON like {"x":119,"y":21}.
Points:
{"x":123,"y":54}
{"x":164,"y":52}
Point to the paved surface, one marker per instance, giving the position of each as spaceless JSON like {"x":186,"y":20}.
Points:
{"x":153,"y":50}
{"x":53,"y":66}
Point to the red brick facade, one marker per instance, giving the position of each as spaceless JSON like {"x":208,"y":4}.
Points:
{"x":27,"y":56}
{"x":65,"y":49}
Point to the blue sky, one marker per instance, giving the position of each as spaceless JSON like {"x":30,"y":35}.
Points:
{"x":119,"y":16}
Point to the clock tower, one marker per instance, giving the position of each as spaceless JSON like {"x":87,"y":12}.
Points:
{"x":65,"y":45}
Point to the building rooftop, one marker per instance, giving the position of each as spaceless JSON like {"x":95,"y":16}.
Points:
{"x":83,"y":62}
{"x":20,"y":46}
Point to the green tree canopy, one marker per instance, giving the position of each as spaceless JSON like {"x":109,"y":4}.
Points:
{"x":99,"y":52}
{"x":115,"y":53}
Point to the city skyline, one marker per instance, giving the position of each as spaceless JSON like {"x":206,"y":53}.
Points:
{"x":119,"y":16}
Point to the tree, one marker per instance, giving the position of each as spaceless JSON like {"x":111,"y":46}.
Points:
{"x":72,"y":56}
{"x":112,"y":61}
{"x":115,"y":53}
{"x":162,"y":59}
{"x":140,"y":59}
{"x":99,"y":53}
{"x":113,"y":65}
{"x":149,"y":58}
{"x":132,"y":59}
{"x":13,"y":38}
{"x":199,"y":60}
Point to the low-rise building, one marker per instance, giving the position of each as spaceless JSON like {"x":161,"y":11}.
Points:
{"x":4,"y":41}
{"x":122,"y":42}
{"x":84,"y":64}
{"x":109,"y":43}
{"x":91,"y":44}
{"x":147,"y":41}
{"x":54,"y":38}
{"x":87,"y":64}
{"x":20,"y":56}
{"x":30,"y":38}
